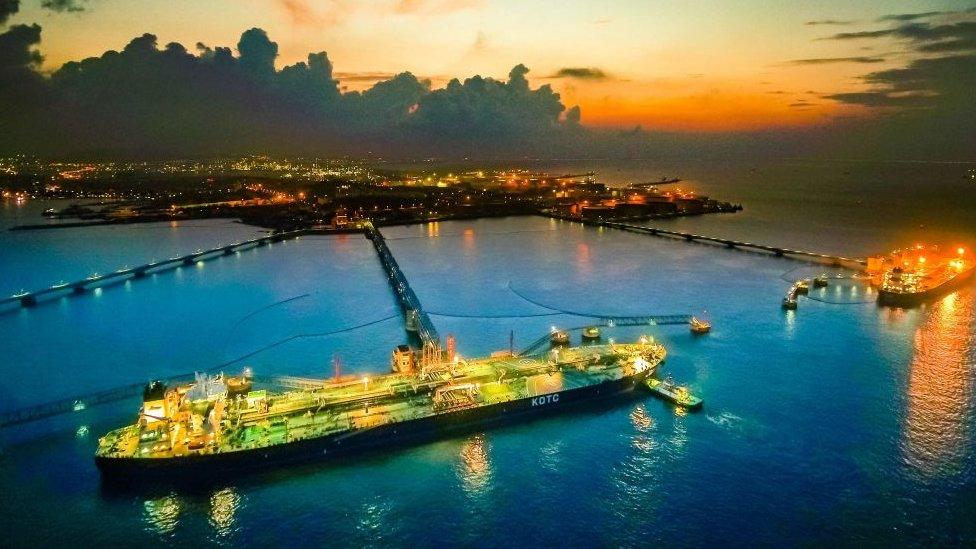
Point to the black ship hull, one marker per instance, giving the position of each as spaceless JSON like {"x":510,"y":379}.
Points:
{"x":900,"y":299}
{"x":361,"y":440}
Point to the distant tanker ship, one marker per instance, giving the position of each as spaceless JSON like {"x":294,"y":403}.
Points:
{"x":222,"y":424}
{"x":915,"y":275}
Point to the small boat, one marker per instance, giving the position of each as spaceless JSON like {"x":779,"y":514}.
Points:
{"x":699,"y":326}
{"x":820,"y":281}
{"x":801,"y":287}
{"x":789,"y":304}
{"x":675,"y":394}
{"x":559,"y":337}
{"x":591,"y":333}
{"x":50,"y":212}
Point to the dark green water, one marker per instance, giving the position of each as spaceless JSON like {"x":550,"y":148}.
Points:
{"x":841,"y":422}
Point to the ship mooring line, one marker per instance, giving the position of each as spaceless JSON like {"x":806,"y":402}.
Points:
{"x":255,"y":312}
{"x":266,"y":307}
{"x":297,"y":336}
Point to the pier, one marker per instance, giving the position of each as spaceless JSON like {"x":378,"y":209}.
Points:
{"x":416,"y":318}
{"x":816,"y":257}
{"x":29,"y":299}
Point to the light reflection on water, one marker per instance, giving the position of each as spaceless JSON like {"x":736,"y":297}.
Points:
{"x":474,"y":468}
{"x":940,"y":387}
{"x":162,"y":515}
{"x":224,"y":505}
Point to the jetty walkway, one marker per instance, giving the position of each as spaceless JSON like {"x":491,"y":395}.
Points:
{"x":416,"y":318}
{"x":28,"y":299}
{"x":833,"y":260}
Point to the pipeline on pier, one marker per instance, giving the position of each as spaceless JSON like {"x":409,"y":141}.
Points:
{"x":415,"y":316}
{"x":816,"y":257}
{"x":28,"y":299}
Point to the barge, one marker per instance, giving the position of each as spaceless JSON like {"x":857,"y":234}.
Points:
{"x":220,"y":424}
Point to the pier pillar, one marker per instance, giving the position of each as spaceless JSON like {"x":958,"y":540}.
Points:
{"x":689,"y":238}
{"x":262,"y":243}
{"x":28,"y":301}
{"x":229,"y":250}
{"x":139,"y":273}
{"x":189,"y":260}
{"x":730,"y":244}
{"x":79,"y":289}
{"x":778,"y":252}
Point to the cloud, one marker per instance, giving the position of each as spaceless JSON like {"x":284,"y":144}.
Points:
{"x":877,"y":99}
{"x":17,"y":47}
{"x":63,"y":6}
{"x":956,"y":35}
{"x":581,"y":73}
{"x":904,"y":17}
{"x":831,"y":60}
{"x":860,"y":34}
{"x":8,"y":8}
{"x":931,"y":95}
{"x":162,"y":100}
{"x":911,"y":16}
{"x":22,"y":90}
{"x":821,"y":22}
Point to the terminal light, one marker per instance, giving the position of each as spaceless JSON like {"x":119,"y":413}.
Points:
{"x":961,"y":251}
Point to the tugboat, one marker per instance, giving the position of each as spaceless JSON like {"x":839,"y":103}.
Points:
{"x":558,"y":337}
{"x":591,"y":333}
{"x":699,"y":326}
{"x":675,"y":394}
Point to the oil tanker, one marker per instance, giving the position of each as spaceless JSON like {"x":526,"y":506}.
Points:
{"x":223,"y":423}
{"x":914,"y":275}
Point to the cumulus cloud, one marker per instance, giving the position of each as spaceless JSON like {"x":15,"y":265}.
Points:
{"x":153,"y":99}
{"x":7,"y":9}
{"x":63,"y":6}
{"x":581,"y":73}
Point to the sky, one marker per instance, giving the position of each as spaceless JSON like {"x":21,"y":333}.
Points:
{"x":692,"y":66}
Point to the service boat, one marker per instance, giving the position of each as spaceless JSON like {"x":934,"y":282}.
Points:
{"x":591,"y":333}
{"x":223,"y":424}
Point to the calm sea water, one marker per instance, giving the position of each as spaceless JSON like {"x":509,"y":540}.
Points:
{"x":841,"y":422}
